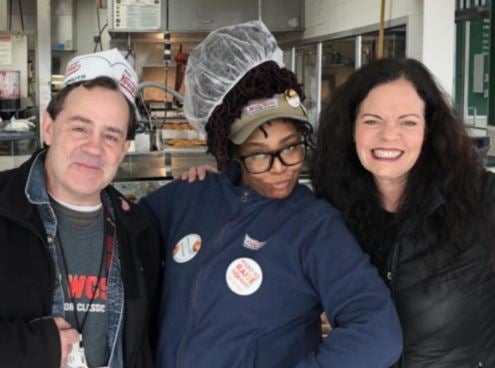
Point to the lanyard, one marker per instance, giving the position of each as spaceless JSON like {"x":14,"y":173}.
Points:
{"x":105,"y":261}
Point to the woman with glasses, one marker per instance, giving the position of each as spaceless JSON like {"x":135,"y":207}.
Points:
{"x":252,"y":258}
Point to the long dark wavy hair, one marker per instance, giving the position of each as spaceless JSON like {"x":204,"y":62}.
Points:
{"x":448,"y":167}
{"x":263,"y":81}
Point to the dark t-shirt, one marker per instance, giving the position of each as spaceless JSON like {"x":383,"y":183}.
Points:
{"x":81,"y":236}
{"x":386,"y":231}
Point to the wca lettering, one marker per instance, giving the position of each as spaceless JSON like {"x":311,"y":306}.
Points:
{"x":84,"y":286}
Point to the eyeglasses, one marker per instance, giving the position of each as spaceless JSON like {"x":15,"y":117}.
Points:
{"x":261,"y":162}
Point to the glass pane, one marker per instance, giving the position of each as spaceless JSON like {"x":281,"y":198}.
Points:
{"x":394,"y":44}
{"x":306,"y":74}
{"x":479,"y":40}
{"x":472,"y":72}
{"x":288,"y":58}
{"x":337,"y":64}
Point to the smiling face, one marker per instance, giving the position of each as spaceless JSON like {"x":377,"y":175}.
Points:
{"x":87,"y":143}
{"x":280,"y":180}
{"x":389,"y":132}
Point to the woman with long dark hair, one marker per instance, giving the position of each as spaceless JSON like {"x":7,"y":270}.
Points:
{"x":393,"y":155}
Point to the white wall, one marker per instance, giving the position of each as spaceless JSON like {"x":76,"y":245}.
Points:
{"x":3,"y":15}
{"x":87,"y":26}
{"x":438,"y":46}
{"x":85,"y":29}
{"x":430,"y":27}
{"x":324,"y":17}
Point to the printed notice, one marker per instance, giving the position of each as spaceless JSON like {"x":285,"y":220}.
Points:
{"x":5,"y":50}
{"x":137,"y":14}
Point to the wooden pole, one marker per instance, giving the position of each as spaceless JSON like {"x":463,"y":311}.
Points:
{"x":381,"y":31}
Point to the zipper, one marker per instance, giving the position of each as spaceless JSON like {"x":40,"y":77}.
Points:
{"x":216,"y":246}
{"x":391,"y":272}
{"x":244,"y":196}
{"x":391,"y":277}
{"x":392,"y":268}
{"x":182,"y":345}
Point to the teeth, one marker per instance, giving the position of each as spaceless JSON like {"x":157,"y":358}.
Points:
{"x":380,"y":153}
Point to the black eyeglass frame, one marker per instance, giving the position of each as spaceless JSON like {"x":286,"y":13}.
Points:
{"x":274,"y":155}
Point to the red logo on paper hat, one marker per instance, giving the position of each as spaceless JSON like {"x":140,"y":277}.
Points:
{"x":127,"y":84}
{"x":72,"y":68}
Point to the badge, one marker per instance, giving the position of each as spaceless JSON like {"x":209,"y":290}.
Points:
{"x":187,"y":248}
{"x":77,"y":357}
{"x":125,"y":205}
{"x":292,"y":98}
{"x":244,"y":276}
{"x":252,"y":244}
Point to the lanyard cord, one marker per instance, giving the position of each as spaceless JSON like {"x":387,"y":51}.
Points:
{"x":105,"y":259}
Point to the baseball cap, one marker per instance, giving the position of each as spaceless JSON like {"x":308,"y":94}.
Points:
{"x":257,"y":112}
{"x":109,"y":63}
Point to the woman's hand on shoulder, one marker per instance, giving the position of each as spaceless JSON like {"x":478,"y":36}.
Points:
{"x":196,"y":173}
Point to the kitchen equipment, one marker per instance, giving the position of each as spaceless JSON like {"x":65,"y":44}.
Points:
{"x":10,"y":93}
{"x":181,"y":60}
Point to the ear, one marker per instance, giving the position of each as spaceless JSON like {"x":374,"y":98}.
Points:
{"x":127,"y":144}
{"x":47,"y":128}
{"x":125,"y":148}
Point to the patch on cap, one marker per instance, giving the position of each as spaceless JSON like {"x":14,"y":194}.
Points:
{"x":262,"y":106}
{"x":285,"y":105}
{"x":108,"y":63}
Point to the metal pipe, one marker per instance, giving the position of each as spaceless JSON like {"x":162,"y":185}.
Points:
{"x":43,"y":57}
{"x":465,"y":71}
{"x":293,"y":59}
{"x":491,"y":70}
{"x":149,"y":84}
{"x":162,"y":86}
{"x":358,"y":52}
{"x":318,"y":67}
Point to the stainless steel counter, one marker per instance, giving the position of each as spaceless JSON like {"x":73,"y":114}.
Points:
{"x":161,"y":165}
{"x":10,"y":136}
{"x":141,"y":173}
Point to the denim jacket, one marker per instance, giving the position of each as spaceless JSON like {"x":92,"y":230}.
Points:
{"x":37,"y":195}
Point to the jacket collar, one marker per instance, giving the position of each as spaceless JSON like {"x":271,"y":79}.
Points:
{"x":20,"y":204}
{"x":233,"y":173}
{"x":13,"y":198}
{"x":437,"y":199}
{"x":35,"y":188}
{"x":232,"y":177}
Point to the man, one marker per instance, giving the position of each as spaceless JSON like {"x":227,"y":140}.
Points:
{"x":78,"y":263}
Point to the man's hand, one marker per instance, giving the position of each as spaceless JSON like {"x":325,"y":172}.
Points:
{"x":196,"y":172}
{"x":68,"y":336}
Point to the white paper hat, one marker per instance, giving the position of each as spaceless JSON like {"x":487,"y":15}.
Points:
{"x":108,"y":63}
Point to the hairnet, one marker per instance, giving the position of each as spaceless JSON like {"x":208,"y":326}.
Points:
{"x":220,"y":61}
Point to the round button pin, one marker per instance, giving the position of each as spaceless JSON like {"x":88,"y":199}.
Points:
{"x":244,"y":276}
{"x":292,"y":98}
{"x":187,"y":248}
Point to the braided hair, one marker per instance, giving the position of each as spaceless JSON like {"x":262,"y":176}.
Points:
{"x":263,"y":81}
